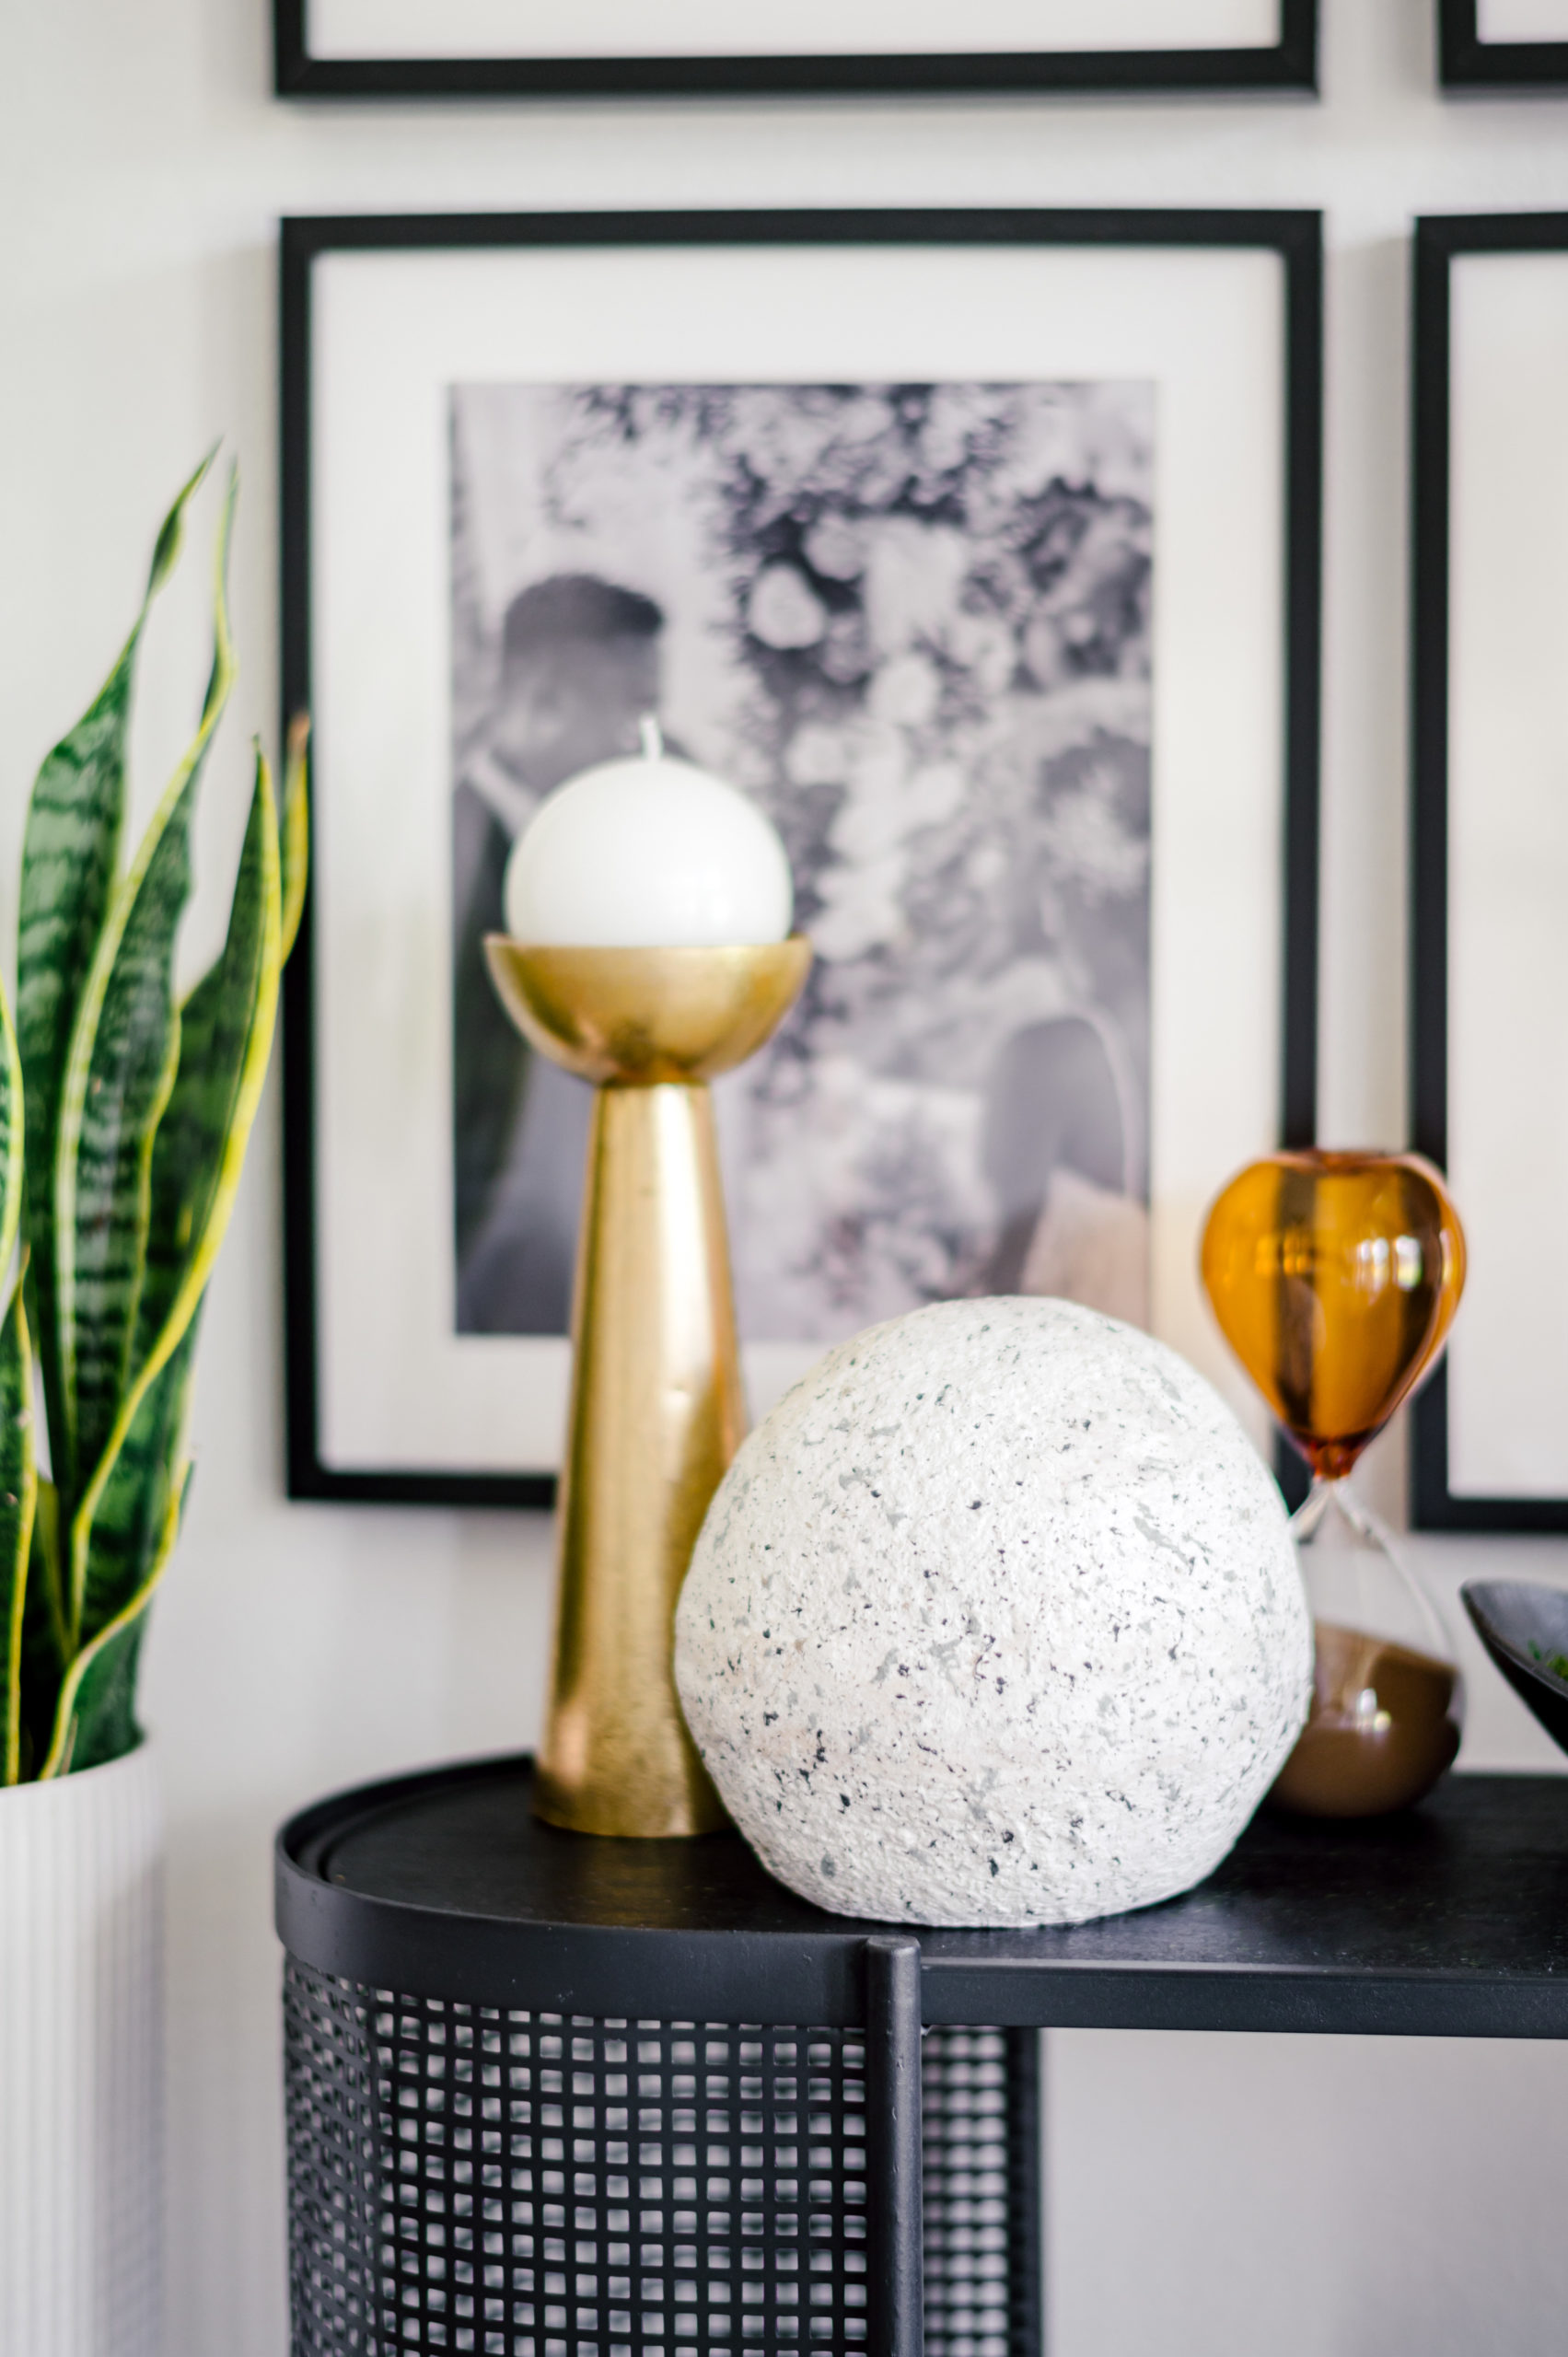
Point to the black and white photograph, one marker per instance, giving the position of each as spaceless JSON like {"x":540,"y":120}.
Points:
{"x":978,"y":552}
{"x":912,"y":622}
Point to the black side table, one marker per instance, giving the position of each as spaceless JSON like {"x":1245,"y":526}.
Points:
{"x":553,"y":2097}
{"x":557,"y":2097}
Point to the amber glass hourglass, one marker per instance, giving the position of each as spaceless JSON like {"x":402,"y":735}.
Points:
{"x":1335,"y":1278}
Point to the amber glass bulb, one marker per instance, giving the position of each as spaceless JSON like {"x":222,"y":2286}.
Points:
{"x":1335,"y":1278}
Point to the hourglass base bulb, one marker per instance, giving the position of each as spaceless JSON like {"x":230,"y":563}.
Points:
{"x":1385,"y":1716}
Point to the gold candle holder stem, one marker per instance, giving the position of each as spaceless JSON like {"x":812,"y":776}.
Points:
{"x":658,"y":1411}
{"x":656,"y":1405}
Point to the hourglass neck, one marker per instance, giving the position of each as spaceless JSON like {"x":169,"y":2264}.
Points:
{"x":1334,"y":1490}
{"x":1332,"y":1519}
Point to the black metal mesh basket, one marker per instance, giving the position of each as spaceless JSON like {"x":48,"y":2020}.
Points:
{"x":525,"y":2183}
{"x":532,"y":2185}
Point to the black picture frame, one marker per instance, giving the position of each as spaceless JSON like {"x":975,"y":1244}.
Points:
{"x":1289,"y":67}
{"x":1295,"y":236}
{"x":1439,"y":241}
{"x":1476,"y":68}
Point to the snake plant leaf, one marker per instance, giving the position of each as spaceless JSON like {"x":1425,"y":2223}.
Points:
{"x":119,"y":1073}
{"x":226,"y":1040}
{"x":46,"y":1647}
{"x":17,"y":1470}
{"x":294,"y":829}
{"x":70,"y":852}
{"x":12,"y":1127}
{"x":96,"y":1718}
{"x":131,"y":1508}
{"x":19,"y":1490}
{"x":104,"y":1190}
{"x":226,"y":1034}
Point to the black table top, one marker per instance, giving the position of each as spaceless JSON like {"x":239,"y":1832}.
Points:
{"x":1451,"y":1920}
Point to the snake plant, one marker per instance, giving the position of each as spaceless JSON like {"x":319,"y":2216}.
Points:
{"x":124,"y":1116}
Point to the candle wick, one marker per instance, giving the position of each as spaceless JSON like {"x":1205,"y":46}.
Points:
{"x":653,"y":738}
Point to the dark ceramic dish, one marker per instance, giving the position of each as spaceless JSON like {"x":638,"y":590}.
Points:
{"x":1524,"y":1628}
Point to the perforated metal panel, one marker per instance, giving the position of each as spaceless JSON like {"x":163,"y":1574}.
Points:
{"x":530,"y":2184}
{"x":971,"y":2300}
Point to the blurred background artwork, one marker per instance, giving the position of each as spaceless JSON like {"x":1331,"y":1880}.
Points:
{"x":913,"y":620}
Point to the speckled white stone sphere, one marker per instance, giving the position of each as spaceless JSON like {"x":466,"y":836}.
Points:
{"x":994,"y":1620}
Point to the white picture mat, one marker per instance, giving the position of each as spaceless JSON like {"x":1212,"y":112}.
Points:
{"x":380,"y":28}
{"x":1502,"y":20}
{"x":1508,"y":871}
{"x":392,"y":331}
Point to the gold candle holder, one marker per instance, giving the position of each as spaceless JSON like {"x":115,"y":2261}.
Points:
{"x":657,"y":1409}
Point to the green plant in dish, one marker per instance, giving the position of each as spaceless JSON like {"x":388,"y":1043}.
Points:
{"x":124,"y":1117}
{"x":1556,"y":1663}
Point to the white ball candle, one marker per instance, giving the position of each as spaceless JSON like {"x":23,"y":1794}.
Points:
{"x":648,"y":854}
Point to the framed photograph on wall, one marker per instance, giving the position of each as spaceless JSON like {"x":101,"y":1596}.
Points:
{"x":983,"y":549}
{"x":1490,"y":983}
{"x":1503,"y":45}
{"x":605,"y":48}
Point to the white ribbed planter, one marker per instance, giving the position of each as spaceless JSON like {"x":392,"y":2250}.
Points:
{"x":81,"y":2064}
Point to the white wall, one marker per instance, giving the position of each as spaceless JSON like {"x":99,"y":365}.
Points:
{"x":1317,"y":2198}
